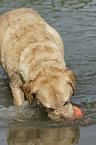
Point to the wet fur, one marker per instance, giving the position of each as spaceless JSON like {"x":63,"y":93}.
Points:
{"x":32,"y":55}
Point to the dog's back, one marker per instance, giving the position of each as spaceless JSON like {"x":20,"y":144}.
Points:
{"x":23,"y":21}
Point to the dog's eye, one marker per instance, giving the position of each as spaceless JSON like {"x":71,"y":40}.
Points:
{"x":70,"y":84}
{"x":51,"y":109}
{"x":66,"y":103}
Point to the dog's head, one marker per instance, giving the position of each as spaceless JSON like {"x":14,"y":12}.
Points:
{"x":53,"y":92}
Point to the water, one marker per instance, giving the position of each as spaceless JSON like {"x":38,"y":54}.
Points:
{"x":76,"y":23}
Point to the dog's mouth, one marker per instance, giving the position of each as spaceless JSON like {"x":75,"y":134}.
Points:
{"x":63,"y":112}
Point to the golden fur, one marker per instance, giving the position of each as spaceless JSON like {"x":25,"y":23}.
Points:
{"x":32,"y":55}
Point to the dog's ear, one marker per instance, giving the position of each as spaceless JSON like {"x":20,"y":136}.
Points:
{"x":71,"y":76}
{"x":28,"y":91}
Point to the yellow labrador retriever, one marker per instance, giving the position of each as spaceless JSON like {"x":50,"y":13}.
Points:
{"x":32,"y":55}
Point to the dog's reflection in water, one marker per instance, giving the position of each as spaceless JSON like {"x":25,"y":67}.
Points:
{"x":43,"y":136}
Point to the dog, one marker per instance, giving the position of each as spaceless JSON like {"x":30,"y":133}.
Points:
{"x":32,"y":55}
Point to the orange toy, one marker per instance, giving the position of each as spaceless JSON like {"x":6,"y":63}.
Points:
{"x":78,"y":112}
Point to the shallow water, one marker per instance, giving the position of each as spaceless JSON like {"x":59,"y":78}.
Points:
{"x":76,"y":23}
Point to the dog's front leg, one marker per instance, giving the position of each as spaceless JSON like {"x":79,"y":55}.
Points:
{"x":16,"y":87}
